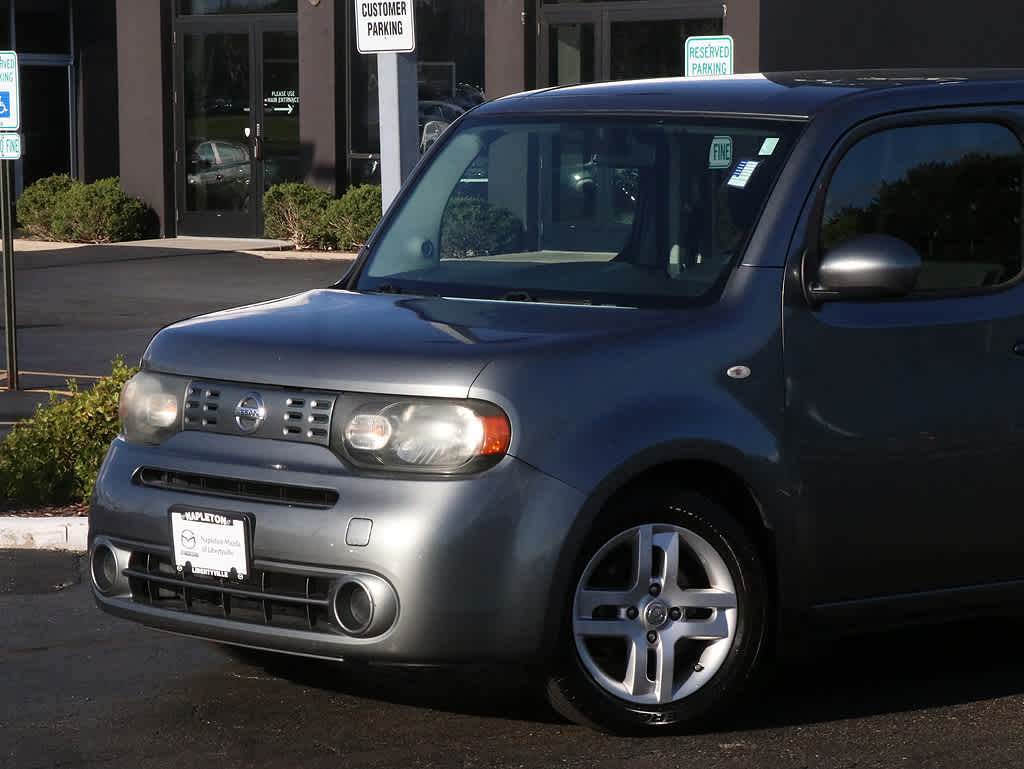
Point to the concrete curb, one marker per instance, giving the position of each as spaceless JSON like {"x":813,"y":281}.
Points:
{"x":57,"y":533}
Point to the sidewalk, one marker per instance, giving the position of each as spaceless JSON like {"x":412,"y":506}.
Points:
{"x":47,"y":533}
{"x":70,"y":532}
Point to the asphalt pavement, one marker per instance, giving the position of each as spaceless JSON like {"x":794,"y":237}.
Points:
{"x":84,"y":689}
{"x":79,"y":306}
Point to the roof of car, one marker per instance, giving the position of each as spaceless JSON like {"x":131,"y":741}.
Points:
{"x":785,"y":94}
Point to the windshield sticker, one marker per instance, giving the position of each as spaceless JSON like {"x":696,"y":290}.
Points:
{"x":769,"y":145}
{"x":720,"y":153}
{"x":740,"y":176}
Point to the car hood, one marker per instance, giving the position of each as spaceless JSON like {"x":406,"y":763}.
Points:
{"x":340,"y":340}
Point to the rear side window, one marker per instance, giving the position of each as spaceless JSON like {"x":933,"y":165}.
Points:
{"x":952,"y":191}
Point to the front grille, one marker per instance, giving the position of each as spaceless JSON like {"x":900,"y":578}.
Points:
{"x":297,"y":416}
{"x":266,"y":598}
{"x":237,"y":488}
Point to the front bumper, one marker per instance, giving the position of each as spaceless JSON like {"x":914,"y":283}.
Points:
{"x":471,"y":562}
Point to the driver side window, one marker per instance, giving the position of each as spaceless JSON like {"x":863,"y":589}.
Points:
{"x":952,"y":191}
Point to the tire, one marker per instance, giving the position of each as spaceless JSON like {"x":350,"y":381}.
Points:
{"x":644,"y":652}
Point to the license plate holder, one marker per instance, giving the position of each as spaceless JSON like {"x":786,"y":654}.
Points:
{"x":212,"y":543}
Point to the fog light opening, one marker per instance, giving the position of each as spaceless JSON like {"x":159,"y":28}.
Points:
{"x":104,"y":568}
{"x":353,"y":607}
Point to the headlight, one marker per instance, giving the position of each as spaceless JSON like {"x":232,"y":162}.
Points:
{"x":150,"y":407}
{"x":422,"y":435}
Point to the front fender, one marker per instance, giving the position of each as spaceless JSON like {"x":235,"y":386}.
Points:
{"x":596,"y":419}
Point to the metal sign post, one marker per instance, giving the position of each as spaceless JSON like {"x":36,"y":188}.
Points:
{"x":10,"y":149}
{"x":399,"y":127}
{"x":387,"y":28}
{"x":10,"y":323}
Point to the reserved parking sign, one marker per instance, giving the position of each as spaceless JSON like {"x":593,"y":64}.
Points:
{"x":708,"y":55}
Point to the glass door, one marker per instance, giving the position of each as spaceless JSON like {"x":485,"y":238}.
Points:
{"x":570,"y":50}
{"x":237,"y":122}
{"x":581,"y":42}
{"x":655,"y":48}
{"x":279,"y":133}
{"x":569,"y":46}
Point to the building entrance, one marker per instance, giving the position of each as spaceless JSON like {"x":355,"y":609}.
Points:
{"x":236,"y":122}
{"x":619,"y":39}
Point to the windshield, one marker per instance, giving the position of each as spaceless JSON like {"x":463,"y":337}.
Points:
{"x":632,"y":212}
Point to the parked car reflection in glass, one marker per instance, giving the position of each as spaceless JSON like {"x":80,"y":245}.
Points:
{"x":219,"y":174}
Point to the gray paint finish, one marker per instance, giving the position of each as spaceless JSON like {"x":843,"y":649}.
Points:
{"x":867,"y":463}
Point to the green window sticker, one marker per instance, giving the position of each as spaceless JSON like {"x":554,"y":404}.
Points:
{"x":769,"y":145}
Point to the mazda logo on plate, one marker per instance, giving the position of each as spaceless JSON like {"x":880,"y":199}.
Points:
{"x":250,"y":413}
{"x":188,"y":539}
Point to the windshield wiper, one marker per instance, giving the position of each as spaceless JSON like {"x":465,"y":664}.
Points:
{"x":518,"y":296}
{"x":387,"y":288}
{"x":526,"y":296}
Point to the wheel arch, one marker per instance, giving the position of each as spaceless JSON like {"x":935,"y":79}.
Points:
{"x":711,"y":478}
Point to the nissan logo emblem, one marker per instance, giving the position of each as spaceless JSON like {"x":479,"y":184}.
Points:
{"x":250,"y":413}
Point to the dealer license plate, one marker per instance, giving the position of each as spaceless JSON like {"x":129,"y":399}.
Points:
{"x":209,"y":542}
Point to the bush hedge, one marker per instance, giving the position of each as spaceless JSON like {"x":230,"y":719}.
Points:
{"x":293,"y":211}
{"x":349,"y":221}
{"x":311,"y":218}
{"x":54,"y":457}
{"x":475,"y":227}
{"x":61,"y":208}
{"x":99,"y":213}
{"x":38,"y":203}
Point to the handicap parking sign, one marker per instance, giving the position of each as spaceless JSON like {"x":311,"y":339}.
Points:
{"x":10,"y":98}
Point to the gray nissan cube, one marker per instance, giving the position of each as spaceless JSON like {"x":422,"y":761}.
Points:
{"x":634,"y":384}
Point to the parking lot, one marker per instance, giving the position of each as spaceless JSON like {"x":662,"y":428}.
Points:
{"x":78,"y":307}
{"x":83,"y":689}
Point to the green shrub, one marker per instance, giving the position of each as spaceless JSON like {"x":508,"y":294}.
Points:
{"x":99,"y":213}
{"x":53,"y":458}
{"x":293,"y":211}
{"x":475,"y":227}
{"x":38,"y":204}
{"x":349,"y":220}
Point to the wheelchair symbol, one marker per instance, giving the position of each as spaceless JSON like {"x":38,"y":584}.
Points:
{"x":5,"y":104}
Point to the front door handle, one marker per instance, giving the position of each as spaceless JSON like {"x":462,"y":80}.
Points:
{"x":1018,"y":349}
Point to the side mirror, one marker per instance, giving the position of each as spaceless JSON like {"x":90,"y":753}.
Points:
{"x":866,"y":267}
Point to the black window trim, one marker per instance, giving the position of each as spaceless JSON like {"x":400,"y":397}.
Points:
{"x":810,"y":256}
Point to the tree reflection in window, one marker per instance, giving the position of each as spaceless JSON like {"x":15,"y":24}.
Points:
{"x":953,"y":192}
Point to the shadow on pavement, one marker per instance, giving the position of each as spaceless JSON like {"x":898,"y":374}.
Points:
{"x":872,"y":675}
{"x":892,"y":672}
{"x":472,"y":690}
